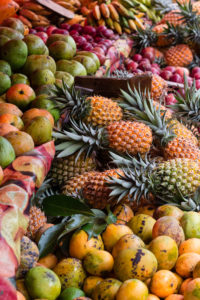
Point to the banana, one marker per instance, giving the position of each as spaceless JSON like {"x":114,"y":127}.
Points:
{"x":66,"y":5}
{"x":121,"y":9}
{"x":132,"y":25}
{"x":105,"y":10}
{"x":101,"y":22}
{"x":91,"y":19}
{"x":30,"y":15}
{"x":127,"y":3}
{"x":117,"y":27}
{"x":124,"y":22}
{"x":33,"y":6}
{"x":96,"y":12}
{"x":25,"y":21}
{"x":40,"y":23}
{"x":113,"y":13}
{"x":139,"y":23}
{"x":43,"y":19}
{"x":109,"y":22}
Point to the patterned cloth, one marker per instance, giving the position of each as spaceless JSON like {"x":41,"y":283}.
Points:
{"x":26,"y":173}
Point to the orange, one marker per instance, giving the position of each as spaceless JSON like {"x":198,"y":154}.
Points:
{"x":175,"y":297}
{"x":128,"y":241}
{"x":168,"y":210}
{"x":90,"y":283}
{"x":132,"y":289}
{"x":6,"y":128}
{"x":21,"y":141}
{"x":20,"y":94}
{"x":184,"y":285}
{"x":30,"y":114}
{"x":80,"y":244}
{"x":152,"y":297}
{"x":10,"y":109}
{"x":124,"y":213}
{"x":192,"y":291}
{"x":113,"y":233}
{"x":48,"y":261}
{"x":186,"y":263}
{"x":12,"y":120}
{"x":146,"y":210}
{"x":98,"y":262}
{"x":163,"y":283}
{"x":190,"y":245}
{"x":180,"y":281}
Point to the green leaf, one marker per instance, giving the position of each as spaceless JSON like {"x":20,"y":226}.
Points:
{"x":95,"y":228}
{"x":62,"y":205}
{"x":111,"y":218}
{"x":48,"y":240}
{"x":75,"y":222}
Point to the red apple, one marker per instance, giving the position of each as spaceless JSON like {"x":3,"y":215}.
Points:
{"x":77,"y":27}
{"x":132,"y":66}
{"x":40,"y":29}
{"x":181,"y":71}
{"x":166,"y":74}
{"x":148,"y":50}
{"x":43,"y":36}
{"x":87,"y":47}
{"x":65,"y":26}
{"x":137,"y":57}
{"x":197,"y":75}
{"x":176,"y":78}
{"x":80,"y":40}
{"x":88,"y":37}
{"x":170,"y":99}
{"x":195,"y":70}
{"x":144,"y":66}
{"x":155,"y":70}
{"x":60,"y":31}
{"x":150,"y":56}
{"x":50,"y":29}
{"x":100,"y":56}
{"x":155,"y":65}
{"x":74,"y":33}
{"x":89,"y":30}
{"x":170,"y":68}
{"x":99,"y":50}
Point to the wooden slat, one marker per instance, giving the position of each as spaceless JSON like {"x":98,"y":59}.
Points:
{"x":57,"y":8}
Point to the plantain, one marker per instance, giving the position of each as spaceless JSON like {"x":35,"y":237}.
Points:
{"x":139,"y":23}
{"x":45,"y":12}
{"x":110,"y":24}
{"x":132,"y":25}
{"x":25,"y":21}
{"x":113,"y":13}
{"x":96,"y":12}
{"x":101,"y":22}
{"x":127,"y":30}
{"x":121,"y":9}
{"x":124,"y":22}
{"x":33,"y":6}
{"x":30,"y":15}
{"x":85,"y":11}
{"x":117,"y":27}
{"x":105,"y":12}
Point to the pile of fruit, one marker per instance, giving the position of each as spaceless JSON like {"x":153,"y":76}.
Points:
{"x":118,"y":214}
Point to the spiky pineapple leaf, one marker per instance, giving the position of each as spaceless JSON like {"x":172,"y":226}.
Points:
{"x":62,"y":205}
{"x":48,"y":240}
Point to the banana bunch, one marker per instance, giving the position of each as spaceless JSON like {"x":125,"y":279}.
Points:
{"x":115,"y":16}
{"x":33,"y":14}
{"x":145,"y":6}
{"x":72,"y":5}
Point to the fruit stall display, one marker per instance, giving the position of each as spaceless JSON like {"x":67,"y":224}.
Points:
{"x":99,"y":196}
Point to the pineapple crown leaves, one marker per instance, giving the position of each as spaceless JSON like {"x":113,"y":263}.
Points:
{"x":144,"y":38}
{"x":79,"y":138}
{"x":174,"y":33}
{"x":76,"y":215}
{"x":164,"y":7}
{"x":195,"y":62}
{"x":189,"y":15}
{"x":134,"y":183}
{"x":188,"y":106}
{"x":192,"y":35}
{"x":70,"y":100}
{"x":142,"y":108}
{"x":188,"y":203}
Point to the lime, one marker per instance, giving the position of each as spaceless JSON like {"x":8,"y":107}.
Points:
{"x":5,"y":67}
{"x":42,"y":77}
{"x":71,"y":293}
{"x":19,"y":78}
{"x":5,"y":83}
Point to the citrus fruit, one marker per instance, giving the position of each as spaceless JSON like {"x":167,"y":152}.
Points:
{"x":42,"y":77}
{"x":14,"y":24}
{"x":132,"y":289}
{"x":71,"y":293}
{"x":19,"y":78}
{"x":35,"y":44}
{"x":40,"y":128}
{"x":42,"y":283}
{"x":21,"y":141}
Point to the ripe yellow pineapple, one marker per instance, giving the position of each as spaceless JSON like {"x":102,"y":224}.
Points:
{"x":162,"y":40}
{"x":94,"y":110}
{"x":179,"y":55}
{"x":36,"y":220}
{"x":158,"y":87}
{"x":173,"y":18}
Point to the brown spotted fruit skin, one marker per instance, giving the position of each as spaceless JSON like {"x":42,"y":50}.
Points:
{"x":106,"y":290}
{"x":135,"y":263}
{"x":70,"y":272}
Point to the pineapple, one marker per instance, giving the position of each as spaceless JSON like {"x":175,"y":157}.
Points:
{"x":167,"y":132}
{"x":173,"y":18}
{"x":163,"y":180}
{"x":169,"y":34}
{"x":62,"y":169}
{"x":158,"y":87}
{"x":179,"y":55}
{"x":94,"y":110}
{"x":36,"y":220}
{"x":144,"y":38}
{"x":121,"y":136}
